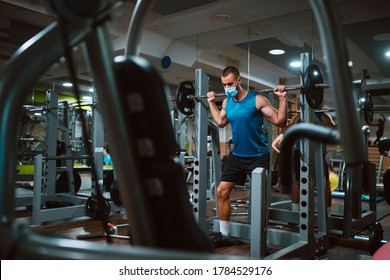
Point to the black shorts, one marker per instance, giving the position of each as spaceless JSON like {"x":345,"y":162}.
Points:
{"x":238,"y":168}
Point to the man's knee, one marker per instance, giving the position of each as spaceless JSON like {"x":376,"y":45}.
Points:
{"x":224,"y":191}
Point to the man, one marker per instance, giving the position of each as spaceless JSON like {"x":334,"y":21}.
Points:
{"x":244,"y":110}
{"x":323,"y":119}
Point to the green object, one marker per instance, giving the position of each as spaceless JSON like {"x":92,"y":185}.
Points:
{"x":25,"y":169}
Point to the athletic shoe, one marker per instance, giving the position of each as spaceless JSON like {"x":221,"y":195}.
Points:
{"x":221,"y":240}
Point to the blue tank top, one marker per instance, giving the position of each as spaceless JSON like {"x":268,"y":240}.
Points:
{"x":247,"y":126}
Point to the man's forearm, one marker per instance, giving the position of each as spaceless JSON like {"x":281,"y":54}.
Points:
{"x":282,"y":111}
{"x":214,"y":111}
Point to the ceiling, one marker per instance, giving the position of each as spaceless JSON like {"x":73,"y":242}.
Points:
{"x":189,"y":34}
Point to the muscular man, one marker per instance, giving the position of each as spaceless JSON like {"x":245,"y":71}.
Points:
{"x":244,"y":110}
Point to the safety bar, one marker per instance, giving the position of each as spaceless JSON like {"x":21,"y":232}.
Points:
{"x":334,"y":46}
{"x":301,"y":130}
{"x":136,"y":26}
{"x":22,"y":243}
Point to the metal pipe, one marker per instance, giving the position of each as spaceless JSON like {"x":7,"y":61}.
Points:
{"x":66,"y":157}
{"x":22,"y":243}
{"x":98,"y":51}
{"x":333,"y":43}
{"x":136,"y":26}
{"x":374,"y":109}
{"x":266,"y":90}
{"x":301,"y":130}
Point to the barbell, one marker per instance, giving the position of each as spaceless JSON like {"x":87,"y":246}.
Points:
{"x":313,"y":88}
{"x":366,"y":106}
{"x":266,"y":90}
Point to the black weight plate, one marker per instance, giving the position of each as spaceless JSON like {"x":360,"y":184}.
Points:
{"x":375,"y":238}
{"x":62,"y":185}
{"x":184,"y":97}
{"x":367,"y":109}
{"x":97,"y":207}
{"x":314,"y":95}
{"x":114,"y":192}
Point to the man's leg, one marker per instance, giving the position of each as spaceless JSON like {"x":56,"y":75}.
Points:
{"x":224,"y":211}
{"x":224,"y":205}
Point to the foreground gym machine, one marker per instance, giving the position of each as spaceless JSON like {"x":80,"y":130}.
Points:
{"x":146,"y":200}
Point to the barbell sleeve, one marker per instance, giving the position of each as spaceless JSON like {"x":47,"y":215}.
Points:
{"x":292,"y":88}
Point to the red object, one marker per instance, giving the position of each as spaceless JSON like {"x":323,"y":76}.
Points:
{"x":383,"y":253}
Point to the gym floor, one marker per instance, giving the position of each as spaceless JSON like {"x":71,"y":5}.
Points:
{"x":340,"y":249}
{"x":91,"y":230}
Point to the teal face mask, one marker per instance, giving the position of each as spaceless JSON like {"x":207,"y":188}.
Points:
{"x":232,"y":91}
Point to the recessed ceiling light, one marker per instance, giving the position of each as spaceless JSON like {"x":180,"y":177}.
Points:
{"x":295,"y":64}
{"x":382,"y":37}
{"x":254,"y":33}
{"x":387,"y":53}
{"x":276,"y":52}
{"x":350,"y":63}
{"x":67,"y":84}
{"x":221,"y":17}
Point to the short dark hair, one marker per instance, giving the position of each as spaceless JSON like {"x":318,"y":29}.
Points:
{"x":230,"y":70}
{"x":107,"y":148}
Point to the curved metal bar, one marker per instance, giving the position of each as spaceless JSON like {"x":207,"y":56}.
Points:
{"x":333,"y":43}
{"x":98,"y":51}
{"x":25,"y":244}
{"x":17,"y":78}
{"x":137,"y":23}
{"x":301,"y":130}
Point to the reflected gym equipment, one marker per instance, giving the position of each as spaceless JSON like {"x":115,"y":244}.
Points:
{"x":115,"y":194}
{"x":313,"y":89}
{"x":97,"y":207}
{"x":62,"y":183}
